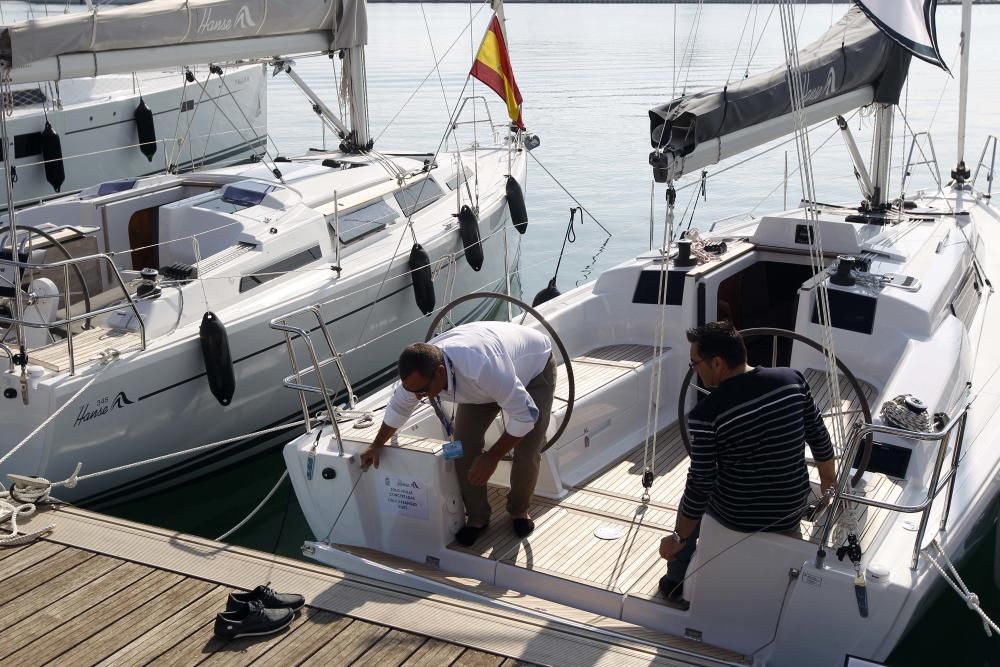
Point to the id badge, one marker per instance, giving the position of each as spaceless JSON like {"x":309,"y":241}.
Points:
{"x":452,"y":450}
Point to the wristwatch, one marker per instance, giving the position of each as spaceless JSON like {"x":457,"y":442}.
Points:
{"x":677,"y":537}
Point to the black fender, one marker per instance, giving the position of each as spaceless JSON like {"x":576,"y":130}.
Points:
{"x":423,"y":279}
{"x":55,"y":171}
{"x":146,"y":129}
{"x":468,"y":229}
{"x":218,"y":362}
{"x":515,"y":201}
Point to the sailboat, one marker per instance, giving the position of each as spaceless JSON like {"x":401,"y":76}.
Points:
{"x":76,"y":133}
{"x":880,"y":306}
{"x":135,"y":313}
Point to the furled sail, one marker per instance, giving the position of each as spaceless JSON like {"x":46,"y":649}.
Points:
{"x":910,"y":23}
{"x":852,"y":65}
{"x":163,"y":33}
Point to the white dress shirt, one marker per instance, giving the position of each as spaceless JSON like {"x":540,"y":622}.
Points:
{"x":486,"y":362}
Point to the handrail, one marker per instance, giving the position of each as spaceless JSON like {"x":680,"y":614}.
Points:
{"x":295,"y":380}
{"x":990,"y":139}
{"x":71,"y":319}
{"x":931,"y":162}
{"x":956,"y":424}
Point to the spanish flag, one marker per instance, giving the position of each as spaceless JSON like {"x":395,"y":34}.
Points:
{"x":492,"y":67}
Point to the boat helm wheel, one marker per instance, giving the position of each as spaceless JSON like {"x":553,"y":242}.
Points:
{"x":571,"y":382}
{"x":863,"y":407}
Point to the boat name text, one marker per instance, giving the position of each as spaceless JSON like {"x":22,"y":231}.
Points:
{"x":101,"y":408}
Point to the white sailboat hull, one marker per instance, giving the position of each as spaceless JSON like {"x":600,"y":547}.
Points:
{"x":761,"y":597}
{"x":155,"y":402}
{"x":97,"y":129}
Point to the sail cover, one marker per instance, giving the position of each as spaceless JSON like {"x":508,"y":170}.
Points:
{"x":335,"y":24}
{"x":852,"y":55}
{"x":910,"y":23}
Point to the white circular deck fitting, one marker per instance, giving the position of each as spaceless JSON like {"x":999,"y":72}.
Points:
{"x":609,"y":532}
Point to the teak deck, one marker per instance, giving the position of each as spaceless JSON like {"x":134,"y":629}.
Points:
{"x":104,"y":591}
{"x":565,"y":544}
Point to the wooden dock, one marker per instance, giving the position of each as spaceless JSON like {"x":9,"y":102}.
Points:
{"x":101,"y":590}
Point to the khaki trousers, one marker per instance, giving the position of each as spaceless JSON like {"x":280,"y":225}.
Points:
{"x":471,"y":422}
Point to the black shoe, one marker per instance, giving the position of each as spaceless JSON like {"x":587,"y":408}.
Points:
{"x":523,"y":527}
{"x":267,"y":597}
{"x":252,"y":620}
{"x":467,"y":535}
{"x":673,"y":593}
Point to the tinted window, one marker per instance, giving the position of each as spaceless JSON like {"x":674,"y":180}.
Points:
{"x":364,"y":221}
{"x":26,"y":145}
{"x":278,"y":269}
{"x":414,"y":197}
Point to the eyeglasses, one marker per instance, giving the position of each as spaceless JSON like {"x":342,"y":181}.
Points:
{"x":694,"y":362}
{"x":425,"y":389}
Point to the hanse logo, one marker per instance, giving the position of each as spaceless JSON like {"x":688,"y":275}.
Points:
{"x":242,"y":20}
{"x":102,"y":407}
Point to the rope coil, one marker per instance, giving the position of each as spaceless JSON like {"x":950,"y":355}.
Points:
{"x":907,"y":412}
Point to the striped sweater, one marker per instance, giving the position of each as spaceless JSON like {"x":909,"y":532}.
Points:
{"x":748,"y":465}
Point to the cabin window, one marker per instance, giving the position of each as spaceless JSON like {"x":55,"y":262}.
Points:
{"x":849,"y":311}
{"x":361,"y":222}
{"x":647,"y":290}
{"x":278,"y":269}
{"x":26,"y":145}
{"x":963,"y":304}
{"x":417,"y":196}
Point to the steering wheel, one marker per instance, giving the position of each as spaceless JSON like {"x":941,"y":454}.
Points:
{"x":863,"y":409}
{"x":548,"y":328}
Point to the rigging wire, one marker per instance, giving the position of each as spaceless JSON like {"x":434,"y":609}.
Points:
{"x":429,"y":75}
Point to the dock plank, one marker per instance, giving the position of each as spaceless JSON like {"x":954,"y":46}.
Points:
{"x":349,"y":645}
{"x":40,"y":573}
{"x":168,"y":634}
{"x":393,"y":649}
{"x":54,"y":634}
{"x":322,"y":628}
{"x":432,"y":653}
{"x":54,"y":590}
{"x":473,"y":658}
{"x":36,"y":554}
{"x":143,"y":619}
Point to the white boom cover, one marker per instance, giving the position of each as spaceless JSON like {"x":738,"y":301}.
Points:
{"x":177,"y":27}
{"x":910,"y":23}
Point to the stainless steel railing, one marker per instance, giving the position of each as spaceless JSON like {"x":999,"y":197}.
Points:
{"x":299,"y":372}
{"x":69,"y":320}
{"x":954,"y":430}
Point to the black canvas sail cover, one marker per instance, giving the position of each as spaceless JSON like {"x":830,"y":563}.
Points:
{"x":852,"y":65}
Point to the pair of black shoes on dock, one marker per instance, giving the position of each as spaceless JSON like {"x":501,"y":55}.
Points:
{"x":261,"y":611}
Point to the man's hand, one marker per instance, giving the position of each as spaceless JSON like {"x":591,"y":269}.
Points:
{"x":669,"y":546}
{"x":371,"y":456}
{"x":827,"y":478}
{"x":483,"y":468}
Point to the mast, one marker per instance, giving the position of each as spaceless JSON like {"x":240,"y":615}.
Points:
{"x":357,"y":95}
{"x":961,"y":172}
{"x":880,"y":159}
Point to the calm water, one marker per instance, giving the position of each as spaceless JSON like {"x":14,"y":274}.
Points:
{"x":588,"y":75}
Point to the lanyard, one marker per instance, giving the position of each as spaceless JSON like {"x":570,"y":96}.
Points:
{"x":448,"y":424}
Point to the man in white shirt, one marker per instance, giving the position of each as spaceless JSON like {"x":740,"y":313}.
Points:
{"x":482,"y":368}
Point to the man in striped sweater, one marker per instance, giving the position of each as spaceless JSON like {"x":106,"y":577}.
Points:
{"x":748,"y":469}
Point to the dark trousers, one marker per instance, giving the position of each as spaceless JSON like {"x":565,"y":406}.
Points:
{"x":678,"y":567}
{"x":471,"y":422}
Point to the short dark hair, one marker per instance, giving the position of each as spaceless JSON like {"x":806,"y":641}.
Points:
{"x":423,"y":358}
{"x":719,"y":339}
